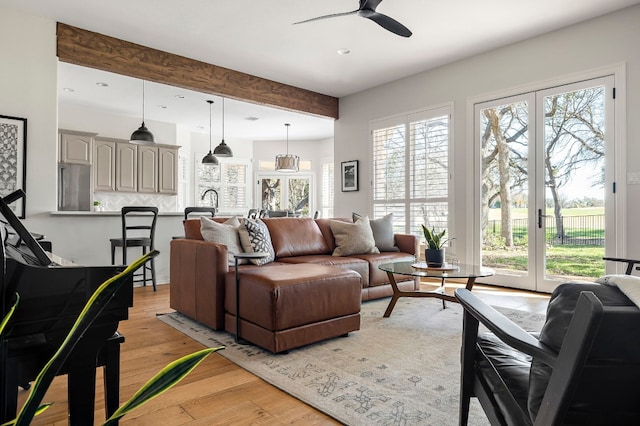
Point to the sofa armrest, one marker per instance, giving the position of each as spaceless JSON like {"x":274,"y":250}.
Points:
{"x":197,"y":277}
{"x":407,"y":243}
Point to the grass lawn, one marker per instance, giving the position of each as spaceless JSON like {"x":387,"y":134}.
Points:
{"x":578,"y":261}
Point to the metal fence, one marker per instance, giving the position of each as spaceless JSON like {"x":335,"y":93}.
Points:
{"x":578,"y":230}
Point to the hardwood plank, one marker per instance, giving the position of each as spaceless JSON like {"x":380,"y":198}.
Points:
{"x":94,"y":50}
{"x":217,"y":391}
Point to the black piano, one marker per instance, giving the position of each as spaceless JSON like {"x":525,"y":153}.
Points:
{"x":51,"y":297}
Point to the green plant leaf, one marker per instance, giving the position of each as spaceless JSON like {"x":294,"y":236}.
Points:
{"x":7,"y":317}
{"x":41,"y":409}
{"x":162,"y":382}
{"x":94,"y":306}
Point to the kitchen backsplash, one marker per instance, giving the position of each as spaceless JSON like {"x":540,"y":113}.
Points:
{"x":114,"y":201}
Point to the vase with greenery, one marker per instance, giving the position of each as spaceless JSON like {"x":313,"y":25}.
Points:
{"x":434,"y":254}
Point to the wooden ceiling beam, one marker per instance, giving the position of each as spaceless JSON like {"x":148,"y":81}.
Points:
{"x":94,"y":50}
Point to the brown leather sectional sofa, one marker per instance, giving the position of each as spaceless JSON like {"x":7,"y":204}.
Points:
{"x":200,"y":276}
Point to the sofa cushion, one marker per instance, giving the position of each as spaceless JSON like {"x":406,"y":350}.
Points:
{"x":353,"y":238}
{"x":223,"y":233}
{"x":296,"y":236}
{"x":254,"y":237}
{"x":383,"y":232}
{"x":359,"y":265}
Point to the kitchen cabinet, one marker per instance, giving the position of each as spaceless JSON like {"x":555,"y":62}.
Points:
{"x":76,"y":147}
{"x":147,"y":168}
{"x":104,"y":164}
{"x":126,"y":167}
{"x":168,"y":170}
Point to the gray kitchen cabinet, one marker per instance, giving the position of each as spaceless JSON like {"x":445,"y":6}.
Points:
{"x":104,"y":164}
{"x":76,"y":147}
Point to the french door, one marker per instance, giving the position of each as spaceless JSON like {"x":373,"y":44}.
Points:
{"x":279,"y":191}
{"x":546,"y":208}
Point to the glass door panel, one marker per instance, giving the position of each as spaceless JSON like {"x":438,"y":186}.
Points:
{"x":505,"y":175}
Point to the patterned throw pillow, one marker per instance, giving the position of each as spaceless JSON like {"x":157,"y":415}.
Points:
{"x":255,"y":237}
{"x":382,"y":232}
{"x":353,"y":238}
{"x":223,"y":233}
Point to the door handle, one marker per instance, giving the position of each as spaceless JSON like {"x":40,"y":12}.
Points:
{"x":540,"y":216}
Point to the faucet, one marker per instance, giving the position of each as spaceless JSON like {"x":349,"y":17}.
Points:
{"x":204,"y":194}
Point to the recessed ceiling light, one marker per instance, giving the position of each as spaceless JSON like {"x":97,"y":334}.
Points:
{"x":343,"y":51}
{"x":251,"y":118}
{"x":68,"y":89}
{"x":162,"y":106}
{"x":180,"y":96}
{"x":102,"y":84}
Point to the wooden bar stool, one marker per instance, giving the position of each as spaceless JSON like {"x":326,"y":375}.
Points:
{"x":138,"y":230}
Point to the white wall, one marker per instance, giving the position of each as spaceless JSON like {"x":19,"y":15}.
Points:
{"x":602,"y":42}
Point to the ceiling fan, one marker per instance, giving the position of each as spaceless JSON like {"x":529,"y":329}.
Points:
{"x":367,"y":9}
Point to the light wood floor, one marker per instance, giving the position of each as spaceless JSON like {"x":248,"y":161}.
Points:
{"x":217,"y":392}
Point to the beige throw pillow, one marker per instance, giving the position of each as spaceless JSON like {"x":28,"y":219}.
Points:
{"x":223,"y":233}
{"x":353,"y":238}
{"x":382,"y":232}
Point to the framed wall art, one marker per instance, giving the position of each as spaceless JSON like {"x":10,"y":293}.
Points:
{"x":13,"y":159}
{"x":349,"y":175}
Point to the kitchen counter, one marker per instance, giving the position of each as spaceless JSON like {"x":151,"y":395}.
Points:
{"x":107,"y":213}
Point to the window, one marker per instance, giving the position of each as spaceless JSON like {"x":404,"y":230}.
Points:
{"x":230,"y":179}
{"x":326,"y":209}
{"x":411,"y":169}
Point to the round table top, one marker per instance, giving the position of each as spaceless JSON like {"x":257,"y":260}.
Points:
{"x":420,"y":269}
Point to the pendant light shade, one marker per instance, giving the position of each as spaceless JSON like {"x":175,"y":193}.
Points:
{"x":142,"y":136}
{"x":223,"y":150}
{"x":287,"y":163}
{"x":210,"y":158}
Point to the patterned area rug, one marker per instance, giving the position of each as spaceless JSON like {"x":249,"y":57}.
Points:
{"x":401,"y":370}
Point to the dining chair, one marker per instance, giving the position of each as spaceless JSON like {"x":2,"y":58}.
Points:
{"x":138,"y":230}
{"x":189,"y":210}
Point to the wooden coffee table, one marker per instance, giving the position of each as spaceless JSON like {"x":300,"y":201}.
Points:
{"x":420,"y":269}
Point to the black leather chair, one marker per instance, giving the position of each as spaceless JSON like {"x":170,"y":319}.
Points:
{"x":582,"y":369}
{"x":208,"y":210}
{"x":138,"y":230}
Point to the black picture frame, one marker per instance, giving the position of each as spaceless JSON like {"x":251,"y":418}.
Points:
{"x":13,"y":160}
{"x":349,"y":170}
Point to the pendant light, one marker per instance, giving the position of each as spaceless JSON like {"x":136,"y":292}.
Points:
{"x":287,"y":163}
{"x":210,"y":158}
{"x":223,"y":150}
{"x":142,"y":136}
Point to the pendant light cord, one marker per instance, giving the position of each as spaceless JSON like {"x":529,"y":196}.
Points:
{"x":210,"y":104}
{"x":142,"y":101}
{"x":222,"y":119}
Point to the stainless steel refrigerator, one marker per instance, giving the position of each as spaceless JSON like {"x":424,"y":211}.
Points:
{"x":74,"y":187}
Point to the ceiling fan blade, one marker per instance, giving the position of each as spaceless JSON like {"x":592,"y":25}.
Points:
{"x":369,"y":4}
{"x":333,"y":15}
{"x":388,"y":23}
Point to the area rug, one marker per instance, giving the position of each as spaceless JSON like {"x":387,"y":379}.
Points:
{"x":401,"y":370}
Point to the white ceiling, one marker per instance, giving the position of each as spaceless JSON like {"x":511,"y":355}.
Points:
{"x":257,"y":37}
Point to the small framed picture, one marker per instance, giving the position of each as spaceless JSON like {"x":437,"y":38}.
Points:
{"x":349,"y":175}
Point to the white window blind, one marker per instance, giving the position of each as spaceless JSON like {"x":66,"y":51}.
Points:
{"x":230,"y":179}
{"x":411,"y":170}
{"x":326,"y":209}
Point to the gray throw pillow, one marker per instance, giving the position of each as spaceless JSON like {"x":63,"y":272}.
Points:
{"x":353,"y":238}
{"x":382,"y":232}
{"x":223,"y":233}
{"x":255,"y":237}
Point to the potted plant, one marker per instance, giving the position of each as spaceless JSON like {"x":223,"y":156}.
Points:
{"x":434,"y":253}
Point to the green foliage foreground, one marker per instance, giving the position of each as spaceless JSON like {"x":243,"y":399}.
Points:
{"x":161,"y":382}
